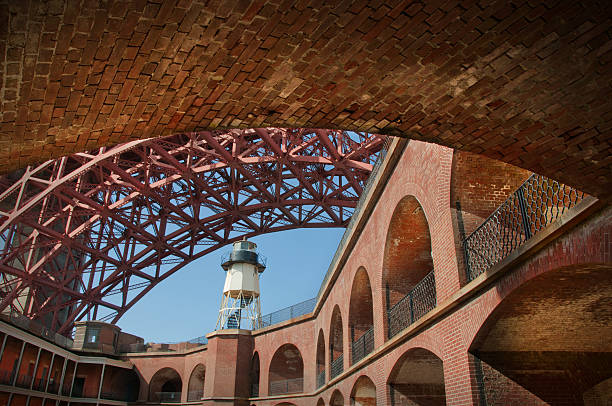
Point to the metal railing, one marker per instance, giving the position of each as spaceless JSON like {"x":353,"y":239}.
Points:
{"x":289,"y":313}
{"x":532,"y":207}
{"x":194,"y":395}
{"x":295,"y":385}
{"x":198,"y":340}
{"x":36,"y":328}
{"x":362,"y":346}
{"x":418,"y":302}
{"x":169,"y":397}
{"x":321,"y":378}
{"x":337,"y":366}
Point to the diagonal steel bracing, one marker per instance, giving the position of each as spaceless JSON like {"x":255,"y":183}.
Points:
{"x":86,"y":236}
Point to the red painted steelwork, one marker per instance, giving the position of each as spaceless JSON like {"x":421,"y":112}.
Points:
{"x":87,"y":235}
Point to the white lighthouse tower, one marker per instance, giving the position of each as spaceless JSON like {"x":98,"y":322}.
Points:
{"x":240,"y":301}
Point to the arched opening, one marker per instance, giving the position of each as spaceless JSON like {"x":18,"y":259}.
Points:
{"x":254,"y":375}
{"x":363,"y":392}
{"x":548,"y":340}
{"x":408,"y":277}
{"x":320,"y":402}
{"x":165,"y":386}
{"x":417,"y":378}
{"x":336,"y":359}
{"x":196,"y":383}
{"x":286,"y":373}
{"x":336,"y":399}
{"x":320,"y":360}
{"x":361,"y":317}
{"x":120,"y":384}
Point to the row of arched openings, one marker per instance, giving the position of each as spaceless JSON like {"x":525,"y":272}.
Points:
{"x":409,"y":284}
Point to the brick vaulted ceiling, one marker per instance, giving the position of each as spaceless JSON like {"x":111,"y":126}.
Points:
{"x":528,"y":83}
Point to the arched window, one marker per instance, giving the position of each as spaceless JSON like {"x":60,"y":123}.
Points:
{"x":165,"y":386}
{"x":320,"y":360}
{"x":364,"y":392}
{"x":336,"y":352}
{"x":425,"y":387}
{"x":361,"y":317}
{"x":196,"y":383}
{"x":286,"y":374}
{"x":408,"y":278}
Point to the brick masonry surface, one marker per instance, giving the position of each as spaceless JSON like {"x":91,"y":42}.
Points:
{"x":424,"y":173}
{"x":527,"y":83}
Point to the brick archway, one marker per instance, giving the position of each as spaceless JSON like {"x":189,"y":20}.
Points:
{"x":556,"y":321}
{"x":407,"y":262}
{"x":337,"y":399}
{"x":336,"y":343}
{"x":427,"y":386}
{"x":286,"y":371}
{"x":165,"y":386}
{"x":500,"y":80}
{"x":363,"y":392}
{"x":361,"y":316}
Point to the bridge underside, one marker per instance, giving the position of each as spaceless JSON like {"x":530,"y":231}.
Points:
{"x":526,"y":83}
{"x":87,"y":235}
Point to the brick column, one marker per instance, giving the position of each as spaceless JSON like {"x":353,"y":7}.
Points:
{"x":228,"y":367}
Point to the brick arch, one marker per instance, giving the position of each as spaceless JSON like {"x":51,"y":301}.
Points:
{"x":363,"y":392}
{"x":407,"y":254}
{"x":361,"y":314}
{"x":320,"y":356}
{"x":254,"y":375}
{"x":286,"y":371}
{"x":427,"y":386}
{"x":336,"y":399}
{"x":571,"y":251}
{"x":336,"y":335}
{"x":166,"y":383}
{"x":320,"y":402}
{"x":434,"y":73}
{"x":555,"y":320}
{"x":195,"y":388}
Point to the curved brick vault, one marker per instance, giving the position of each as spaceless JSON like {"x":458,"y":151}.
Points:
{"x":525,"y":83}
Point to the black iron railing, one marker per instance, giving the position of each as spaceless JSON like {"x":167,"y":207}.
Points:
{"x":362,"y":346}
{"x":337,"y":366}
{"x":418,"y":302}
{"x":295,"y":385}
{"x":288,"y":313}
{"x":532,"y":207}
{"x":194,"y":395}
{"x":321,"y":378}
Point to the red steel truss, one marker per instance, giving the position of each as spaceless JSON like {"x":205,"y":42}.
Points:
{"x":87,"y":235}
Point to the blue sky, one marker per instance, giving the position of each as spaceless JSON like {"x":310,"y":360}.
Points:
{"x":186,"y":304}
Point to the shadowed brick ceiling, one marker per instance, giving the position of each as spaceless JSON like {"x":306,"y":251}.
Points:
{"x":523,"y":82}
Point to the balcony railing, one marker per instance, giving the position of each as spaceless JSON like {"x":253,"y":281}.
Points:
{"x":289,"y":313}
{"x":287,"y":386}
{"x":362,"y":346}
{"x":321,"y":378}
{"x":194,"y":395}
{"x":337,"y":366}
{"x":169,"y":397}
{"x":418,"y":302}
{"x":534,"y":205}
